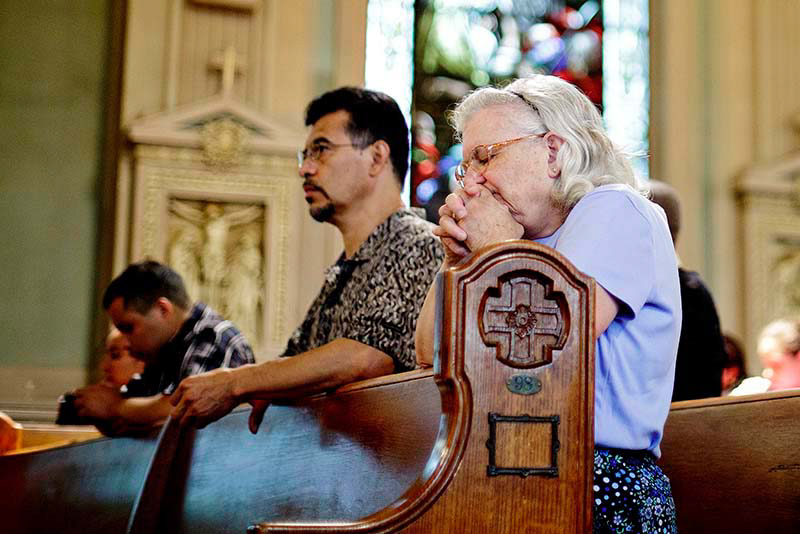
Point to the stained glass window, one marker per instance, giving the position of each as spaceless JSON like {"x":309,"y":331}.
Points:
{"x":389,"y":56}
{"x":458,"y":45}
{"x":626,"y":87}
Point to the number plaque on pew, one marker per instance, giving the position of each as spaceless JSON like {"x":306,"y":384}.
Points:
{"x":498,"y":437}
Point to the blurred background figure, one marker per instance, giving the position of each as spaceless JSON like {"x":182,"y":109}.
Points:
{"x":733,"y":373}
{"x":118,"y":364}
{"x":779,"y":351}
{"x":117,"y":368}
{"x":701,"y":352}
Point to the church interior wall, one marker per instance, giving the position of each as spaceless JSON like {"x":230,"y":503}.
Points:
{"x":724,"y":98}
{"x":52,"y":100}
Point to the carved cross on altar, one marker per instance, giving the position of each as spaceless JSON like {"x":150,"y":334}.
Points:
{"x":229,"y":63}
{"x":523,"y":318}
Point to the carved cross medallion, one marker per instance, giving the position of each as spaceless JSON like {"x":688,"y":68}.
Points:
{"x":523,"y":318}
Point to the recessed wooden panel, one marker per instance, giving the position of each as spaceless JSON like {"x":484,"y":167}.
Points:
{"x":523,"y":445}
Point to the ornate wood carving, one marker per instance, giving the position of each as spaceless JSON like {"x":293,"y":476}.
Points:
{"x":523,"y":318}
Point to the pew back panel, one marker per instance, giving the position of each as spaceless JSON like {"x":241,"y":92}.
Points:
{"x":734,"y":463}
{"x":83,"y":488}
{"x":329,"y":458}
{"x":515,"y":367}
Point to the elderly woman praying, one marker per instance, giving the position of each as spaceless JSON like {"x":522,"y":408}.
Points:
{"x":539,"y":165}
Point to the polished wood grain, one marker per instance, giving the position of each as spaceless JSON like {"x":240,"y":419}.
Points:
{"x":734,"y":463}
{"x":473,"y":501}
{"x":455,"y":492}
{"x":86,"y":487}
{"x":405,"y":453}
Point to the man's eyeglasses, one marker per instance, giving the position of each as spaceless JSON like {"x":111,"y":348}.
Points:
{"x":481,"y":155}
{"x":316,"y":151}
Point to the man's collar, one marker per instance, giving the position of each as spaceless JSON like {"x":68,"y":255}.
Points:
{"x":189,"y":325}
{"x":379,"y":235}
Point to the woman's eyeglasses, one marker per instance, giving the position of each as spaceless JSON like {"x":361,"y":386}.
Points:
{"x":481,"y":155}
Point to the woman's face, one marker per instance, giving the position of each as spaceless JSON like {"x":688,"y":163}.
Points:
{"x":518,"y":176}
{"x":118,"y":365}
{"x":781,"y":366}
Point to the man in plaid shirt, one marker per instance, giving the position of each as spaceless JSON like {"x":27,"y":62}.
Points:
{"x":149,"y":305}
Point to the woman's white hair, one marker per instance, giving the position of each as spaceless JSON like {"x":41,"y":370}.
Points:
{"x":587,"y":158}
{"x":785,"y":331}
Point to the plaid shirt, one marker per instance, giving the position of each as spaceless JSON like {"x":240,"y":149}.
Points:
{"x":375,"y":296}
{"x":204,"y":342}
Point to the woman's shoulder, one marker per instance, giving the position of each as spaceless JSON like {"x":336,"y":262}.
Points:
{"x":615,"y":192}
{"x":616,"y":201}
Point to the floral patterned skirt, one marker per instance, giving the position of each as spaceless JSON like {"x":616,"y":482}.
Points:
{"x":631,"y":493}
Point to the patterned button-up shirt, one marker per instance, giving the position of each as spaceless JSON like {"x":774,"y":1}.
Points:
{"x":375,"y":296}
{"x":204,"y":342}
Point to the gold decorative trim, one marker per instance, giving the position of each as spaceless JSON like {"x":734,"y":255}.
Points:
{"x":223,"y":142}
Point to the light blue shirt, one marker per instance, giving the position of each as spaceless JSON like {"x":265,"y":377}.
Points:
{"x":621,"y":239}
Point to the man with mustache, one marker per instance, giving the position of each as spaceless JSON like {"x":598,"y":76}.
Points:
{"x":361,"y":324}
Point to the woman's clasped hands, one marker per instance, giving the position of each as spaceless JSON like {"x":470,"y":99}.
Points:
{"x":472,"y":218}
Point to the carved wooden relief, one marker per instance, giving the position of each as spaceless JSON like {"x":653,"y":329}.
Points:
{"x":218,"y":249}
{"x":524,"y":318}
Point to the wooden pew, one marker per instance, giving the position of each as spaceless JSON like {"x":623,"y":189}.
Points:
{"x":734,"y":463}
{"x":40,"y":436}
{"x":496,"y":438}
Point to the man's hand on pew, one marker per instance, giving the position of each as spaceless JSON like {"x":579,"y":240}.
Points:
{"x":257,"y":414}
{"x":202,"y":399}
{"x":98,"y":402}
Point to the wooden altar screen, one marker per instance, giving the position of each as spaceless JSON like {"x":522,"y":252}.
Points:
{"x":215,"y":194}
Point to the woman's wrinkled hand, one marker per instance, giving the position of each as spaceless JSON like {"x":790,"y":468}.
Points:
{"x":472,"y":218}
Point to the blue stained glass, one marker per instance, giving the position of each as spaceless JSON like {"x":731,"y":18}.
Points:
{"x":626,"y":71}
{"x":389,"y":55}
{"x":445,"y":48}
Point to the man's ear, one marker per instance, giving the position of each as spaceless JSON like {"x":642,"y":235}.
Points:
{"x":554,"y":143}
{"x":164,"y":306}
{"x":379,"y":152}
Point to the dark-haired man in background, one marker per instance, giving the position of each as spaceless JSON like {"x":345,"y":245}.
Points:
{"x":149,"y":305}
{"x":701,"y":351}
{"x":362,"y":323}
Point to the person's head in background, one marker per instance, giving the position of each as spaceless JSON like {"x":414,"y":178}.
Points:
{"x":148,"y":303}
{"x":118,"y":364}
{"x":665,"y":196}
{"x":779,"y":352}
{"x":733,"y":372}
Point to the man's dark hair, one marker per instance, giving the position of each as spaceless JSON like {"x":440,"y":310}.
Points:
{"x":142,"y":284}
{"x":374,"y":116}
